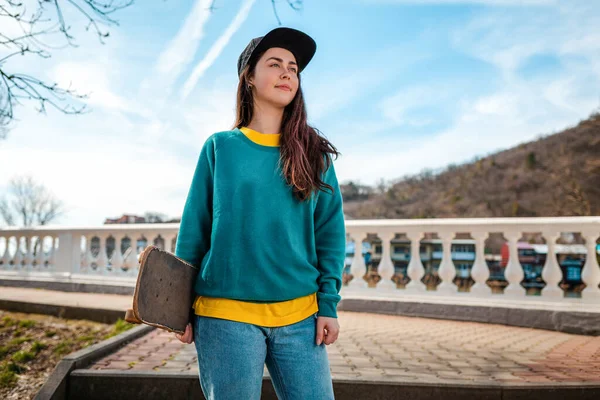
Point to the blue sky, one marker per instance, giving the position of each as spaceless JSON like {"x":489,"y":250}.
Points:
{"x":396,"y":85}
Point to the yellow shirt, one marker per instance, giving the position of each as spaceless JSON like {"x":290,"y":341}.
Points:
{"x":263,"y":314}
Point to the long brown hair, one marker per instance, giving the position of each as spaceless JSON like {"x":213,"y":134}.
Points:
{"x":303,"y":148}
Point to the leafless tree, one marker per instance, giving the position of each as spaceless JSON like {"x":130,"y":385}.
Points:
{"x":29,"y":203}
{"x":155,"y":217}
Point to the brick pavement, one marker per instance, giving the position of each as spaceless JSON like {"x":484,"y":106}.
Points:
{"x":396,"y":348}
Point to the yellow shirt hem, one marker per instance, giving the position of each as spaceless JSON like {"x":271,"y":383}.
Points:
{"x":262,"y":314}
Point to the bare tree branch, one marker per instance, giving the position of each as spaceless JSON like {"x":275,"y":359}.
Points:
{"x":294,"y":4}
{"x":45,"y":21}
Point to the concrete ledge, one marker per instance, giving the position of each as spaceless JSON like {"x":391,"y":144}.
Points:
{"x":55,"y":387}
{"x":577,"y":316}
{"x":577,"y":322}
{"x":67,"y":286}
{"x":131,"y":385}
{"x":106,"y":316}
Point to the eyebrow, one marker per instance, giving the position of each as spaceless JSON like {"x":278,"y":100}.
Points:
{"x":280,"y":60}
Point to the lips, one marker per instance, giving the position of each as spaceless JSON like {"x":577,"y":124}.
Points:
{"x":284,"y":87}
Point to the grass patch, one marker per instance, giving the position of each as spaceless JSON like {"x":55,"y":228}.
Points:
{"x":4,"y":350}
{"x":36,"y":347}
{"x":86,"y":338}
{"x":119,"y":327}
{"x":19,"y":340}
{"x":11,"y":366}
{"x":26,"y":323}
{"x":63,"y":347}
{"x":7,"y":321}
{"x":7,"y":378}
{"x":49,"y":333}
{"x":18,"y":332}
{"x":23,"y":356}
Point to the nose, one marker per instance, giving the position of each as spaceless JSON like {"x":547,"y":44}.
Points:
{"x":286,"y":74}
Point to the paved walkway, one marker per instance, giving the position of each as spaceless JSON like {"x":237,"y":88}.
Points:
{"x":383,"y":348}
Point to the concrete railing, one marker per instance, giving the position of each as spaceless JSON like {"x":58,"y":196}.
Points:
{"x":88,"y":254}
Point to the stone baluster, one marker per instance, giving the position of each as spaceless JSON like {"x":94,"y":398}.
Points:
{"x":514,"y":271}
{"x":101,"y":258}
{"x":149,"y":239}
{"x":6,"y":258}
{"x":18,"y":260}
{"x":40,"y":256}
{"x":132,"y":258}
{"x":116,"y":260}
{"x":447,"y":270}
{"x":415,"y":270}
{"x":385,"y":269}
{"x":590,"y":275}
{"x":28,"y":258}
{"x":168,"y":239}
{"x":552,"y":274}
{"x":358,"y":267}
{"x":480,"y":271}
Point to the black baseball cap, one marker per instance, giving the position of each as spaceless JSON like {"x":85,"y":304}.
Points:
{"x":302,"y":46}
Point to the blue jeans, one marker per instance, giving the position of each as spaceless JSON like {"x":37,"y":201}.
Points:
{"x":232,"y":356}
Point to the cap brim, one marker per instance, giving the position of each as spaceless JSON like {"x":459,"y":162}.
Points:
{"x":299,"y":43}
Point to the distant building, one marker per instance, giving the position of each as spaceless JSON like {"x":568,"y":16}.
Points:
{"x":125,"y":219}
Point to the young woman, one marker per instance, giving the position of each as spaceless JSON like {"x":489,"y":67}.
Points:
{"x":263,"y":221}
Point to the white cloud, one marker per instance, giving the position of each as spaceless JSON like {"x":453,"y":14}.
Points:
{"x":507,"y":40}
{"x":394,"y":107}
{"x":518,"y":112}
{"x":93,"y":80}
{"x":107,"y":163}
{"x":182,"y":49}
{"x":485,"y":125}
{"x":216,"y":49}
{"x":330,"y":92}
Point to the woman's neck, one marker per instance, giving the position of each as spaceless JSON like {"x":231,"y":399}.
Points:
{"x":266,"y":119}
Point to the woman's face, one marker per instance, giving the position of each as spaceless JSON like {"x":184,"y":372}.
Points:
{"x":275,"y":77}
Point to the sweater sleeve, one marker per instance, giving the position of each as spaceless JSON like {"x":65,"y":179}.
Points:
{"x":330,"y":240}
{"x":193,"y":239}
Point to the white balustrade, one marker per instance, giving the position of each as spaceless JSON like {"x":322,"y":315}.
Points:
{"x":67,"y":260}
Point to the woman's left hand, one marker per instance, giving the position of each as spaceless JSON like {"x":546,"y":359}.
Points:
{"x":328,"y":330}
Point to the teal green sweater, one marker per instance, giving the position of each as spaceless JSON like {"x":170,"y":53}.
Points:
{"x":250,"y":237}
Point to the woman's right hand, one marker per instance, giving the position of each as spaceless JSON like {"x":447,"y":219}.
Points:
{"x":188,"y":335}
